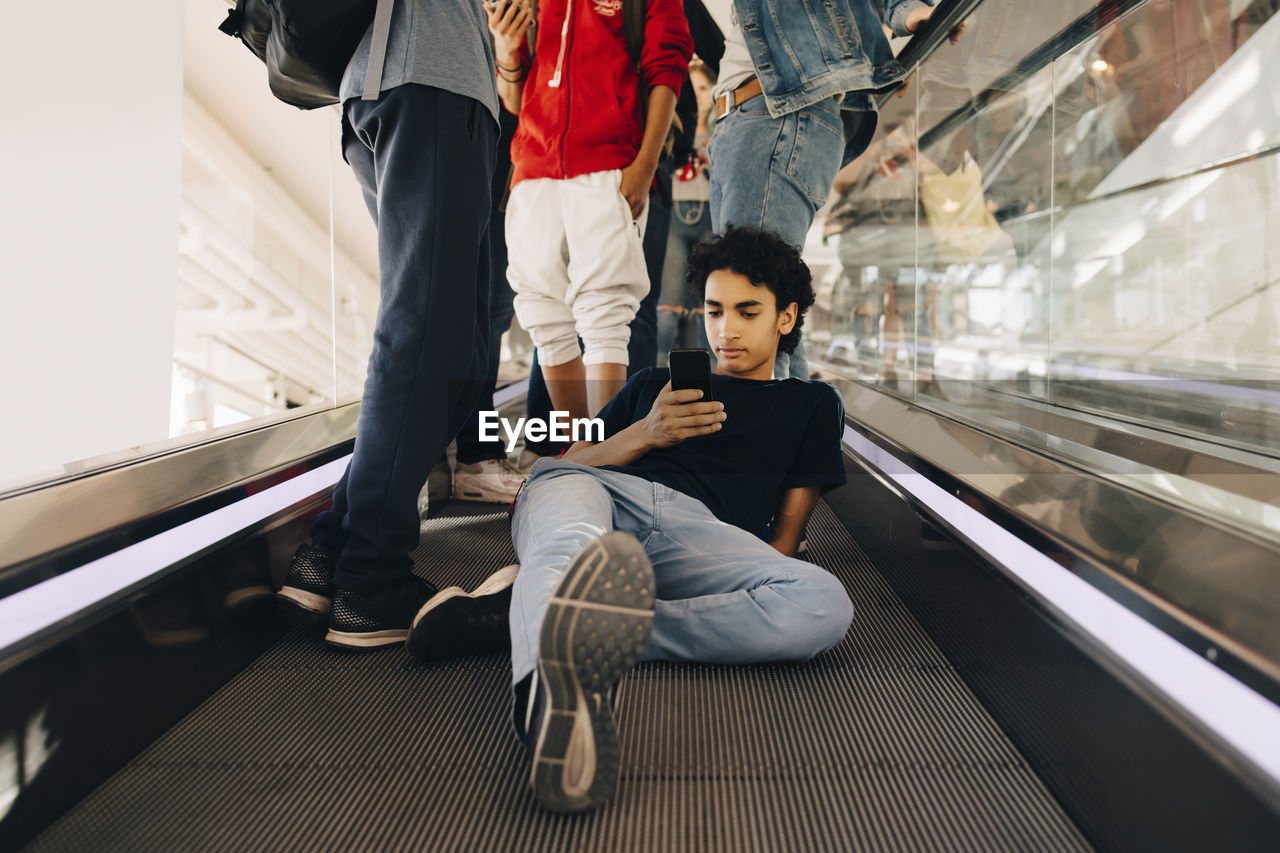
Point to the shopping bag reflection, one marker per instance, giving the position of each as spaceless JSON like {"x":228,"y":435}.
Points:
{"x":956,"y":208}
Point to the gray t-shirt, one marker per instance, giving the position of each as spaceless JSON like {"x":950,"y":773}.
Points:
{"x":735,"y":65}
{"x":440,"y":43}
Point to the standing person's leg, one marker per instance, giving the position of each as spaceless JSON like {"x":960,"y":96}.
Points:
{"x":643,"y":350}
{"x":483,"y":471}
{"x":537,"y":404}
{"x":470,"y":447}
{"x":607,"y":278}
{"x":327,"y":532}
{"x":538,"y":213}
{"x":726,"y":596}
{"x":698,"y":224}
{"x":802,"y":151}
{"x":671,"y":300}
{"x":691,"y":222}
{"x":427,"y":156}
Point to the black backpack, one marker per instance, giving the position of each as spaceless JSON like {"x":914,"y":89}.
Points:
{"x":307,"y":44}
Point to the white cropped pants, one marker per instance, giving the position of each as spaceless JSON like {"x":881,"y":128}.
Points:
{"x":576,"y":264}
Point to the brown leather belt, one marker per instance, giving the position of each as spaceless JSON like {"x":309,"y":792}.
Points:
{"x":726,"y":102}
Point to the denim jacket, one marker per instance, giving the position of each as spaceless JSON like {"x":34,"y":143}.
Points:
{"x":805,"y":52}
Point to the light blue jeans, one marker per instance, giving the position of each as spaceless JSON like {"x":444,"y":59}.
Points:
{"x":690,"y":222}
{"x":724,"y":595}
{"x":775,"y":173}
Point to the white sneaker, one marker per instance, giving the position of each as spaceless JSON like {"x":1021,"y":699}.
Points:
{"x":492,"y":481}
{"x":526,"y":460}
{"x":436,"y":491}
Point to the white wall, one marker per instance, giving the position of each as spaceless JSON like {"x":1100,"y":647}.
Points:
{"x":89,"y":194}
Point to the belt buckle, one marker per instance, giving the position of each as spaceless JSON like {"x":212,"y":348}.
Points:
{"x":729,"y":103}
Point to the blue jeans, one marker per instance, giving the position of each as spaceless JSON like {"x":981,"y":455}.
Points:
{"x":801,"y":154}
{"x":690,"y":222}
{"x":724,"y":595}
{"x":424,"y":160}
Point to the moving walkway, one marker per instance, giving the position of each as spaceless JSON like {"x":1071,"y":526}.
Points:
{"x":1065,"y":588}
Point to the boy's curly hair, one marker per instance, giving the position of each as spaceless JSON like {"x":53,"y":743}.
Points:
{"x":763,"y":258}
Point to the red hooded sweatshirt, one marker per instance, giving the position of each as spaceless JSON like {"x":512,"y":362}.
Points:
{"x":580,"y":108}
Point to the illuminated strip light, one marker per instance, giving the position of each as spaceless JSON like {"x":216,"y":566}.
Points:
{"x":46,"y":605}
{"x":1186,"y":386}
{"x":1231,"y":710}
{"x":43,"y":607}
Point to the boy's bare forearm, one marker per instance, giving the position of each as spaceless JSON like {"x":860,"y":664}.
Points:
{"x":622,"y":448}
{"x":794,"y":509}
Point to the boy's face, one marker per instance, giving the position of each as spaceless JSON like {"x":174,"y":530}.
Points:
{"x":744,"y":325}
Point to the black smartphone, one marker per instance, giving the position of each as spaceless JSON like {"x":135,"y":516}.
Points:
{"x":691,"y":368}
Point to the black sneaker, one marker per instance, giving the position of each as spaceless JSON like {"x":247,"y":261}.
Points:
{"x":383,"y":619}
{"x":595,"y":629}
{"x":309,"y":582}
{"x":456,"y":622}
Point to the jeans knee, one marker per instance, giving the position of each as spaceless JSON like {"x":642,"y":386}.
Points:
{"x":829,"y":612}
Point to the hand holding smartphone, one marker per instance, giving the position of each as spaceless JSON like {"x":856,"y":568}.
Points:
{"x":691,"y":368}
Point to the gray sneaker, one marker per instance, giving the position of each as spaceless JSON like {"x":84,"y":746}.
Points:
{"x":595,"y":629}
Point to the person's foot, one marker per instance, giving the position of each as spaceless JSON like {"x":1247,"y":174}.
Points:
{"x":360,"y":622}
{"x":491,"y":481}
{"x":595,"y":629}
{"x":526,"y":460}
{"x":455,"y":622}
{"x":437,"y":490}
{"x":309,"y":582}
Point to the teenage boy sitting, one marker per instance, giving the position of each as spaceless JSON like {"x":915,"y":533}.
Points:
{"x":699,"y":504}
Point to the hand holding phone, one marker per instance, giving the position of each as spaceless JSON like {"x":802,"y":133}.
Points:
{"x":691,"y":368}
{"x":509,"y":20}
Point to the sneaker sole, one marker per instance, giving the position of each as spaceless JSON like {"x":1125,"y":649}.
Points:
{"x":498,"y":581}
{"x":595,"y":629}
{"x":426,"y":647}
{"x":481,"y":494}
{"x":311,"y":602}
{"x":364,"y":641}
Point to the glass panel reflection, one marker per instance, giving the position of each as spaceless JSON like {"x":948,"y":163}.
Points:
{"x":277,"y":270}
{"x":1081,"y":208}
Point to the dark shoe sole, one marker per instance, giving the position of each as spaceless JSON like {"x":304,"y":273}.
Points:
{"x":312,"y":602}
{"x":595,"y":629}
{"x":435,"y":632}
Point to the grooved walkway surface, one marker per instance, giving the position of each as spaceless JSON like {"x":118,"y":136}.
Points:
{"x":877,"y":745}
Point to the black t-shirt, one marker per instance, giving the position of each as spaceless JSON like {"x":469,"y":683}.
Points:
{"x":777,"y":434}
